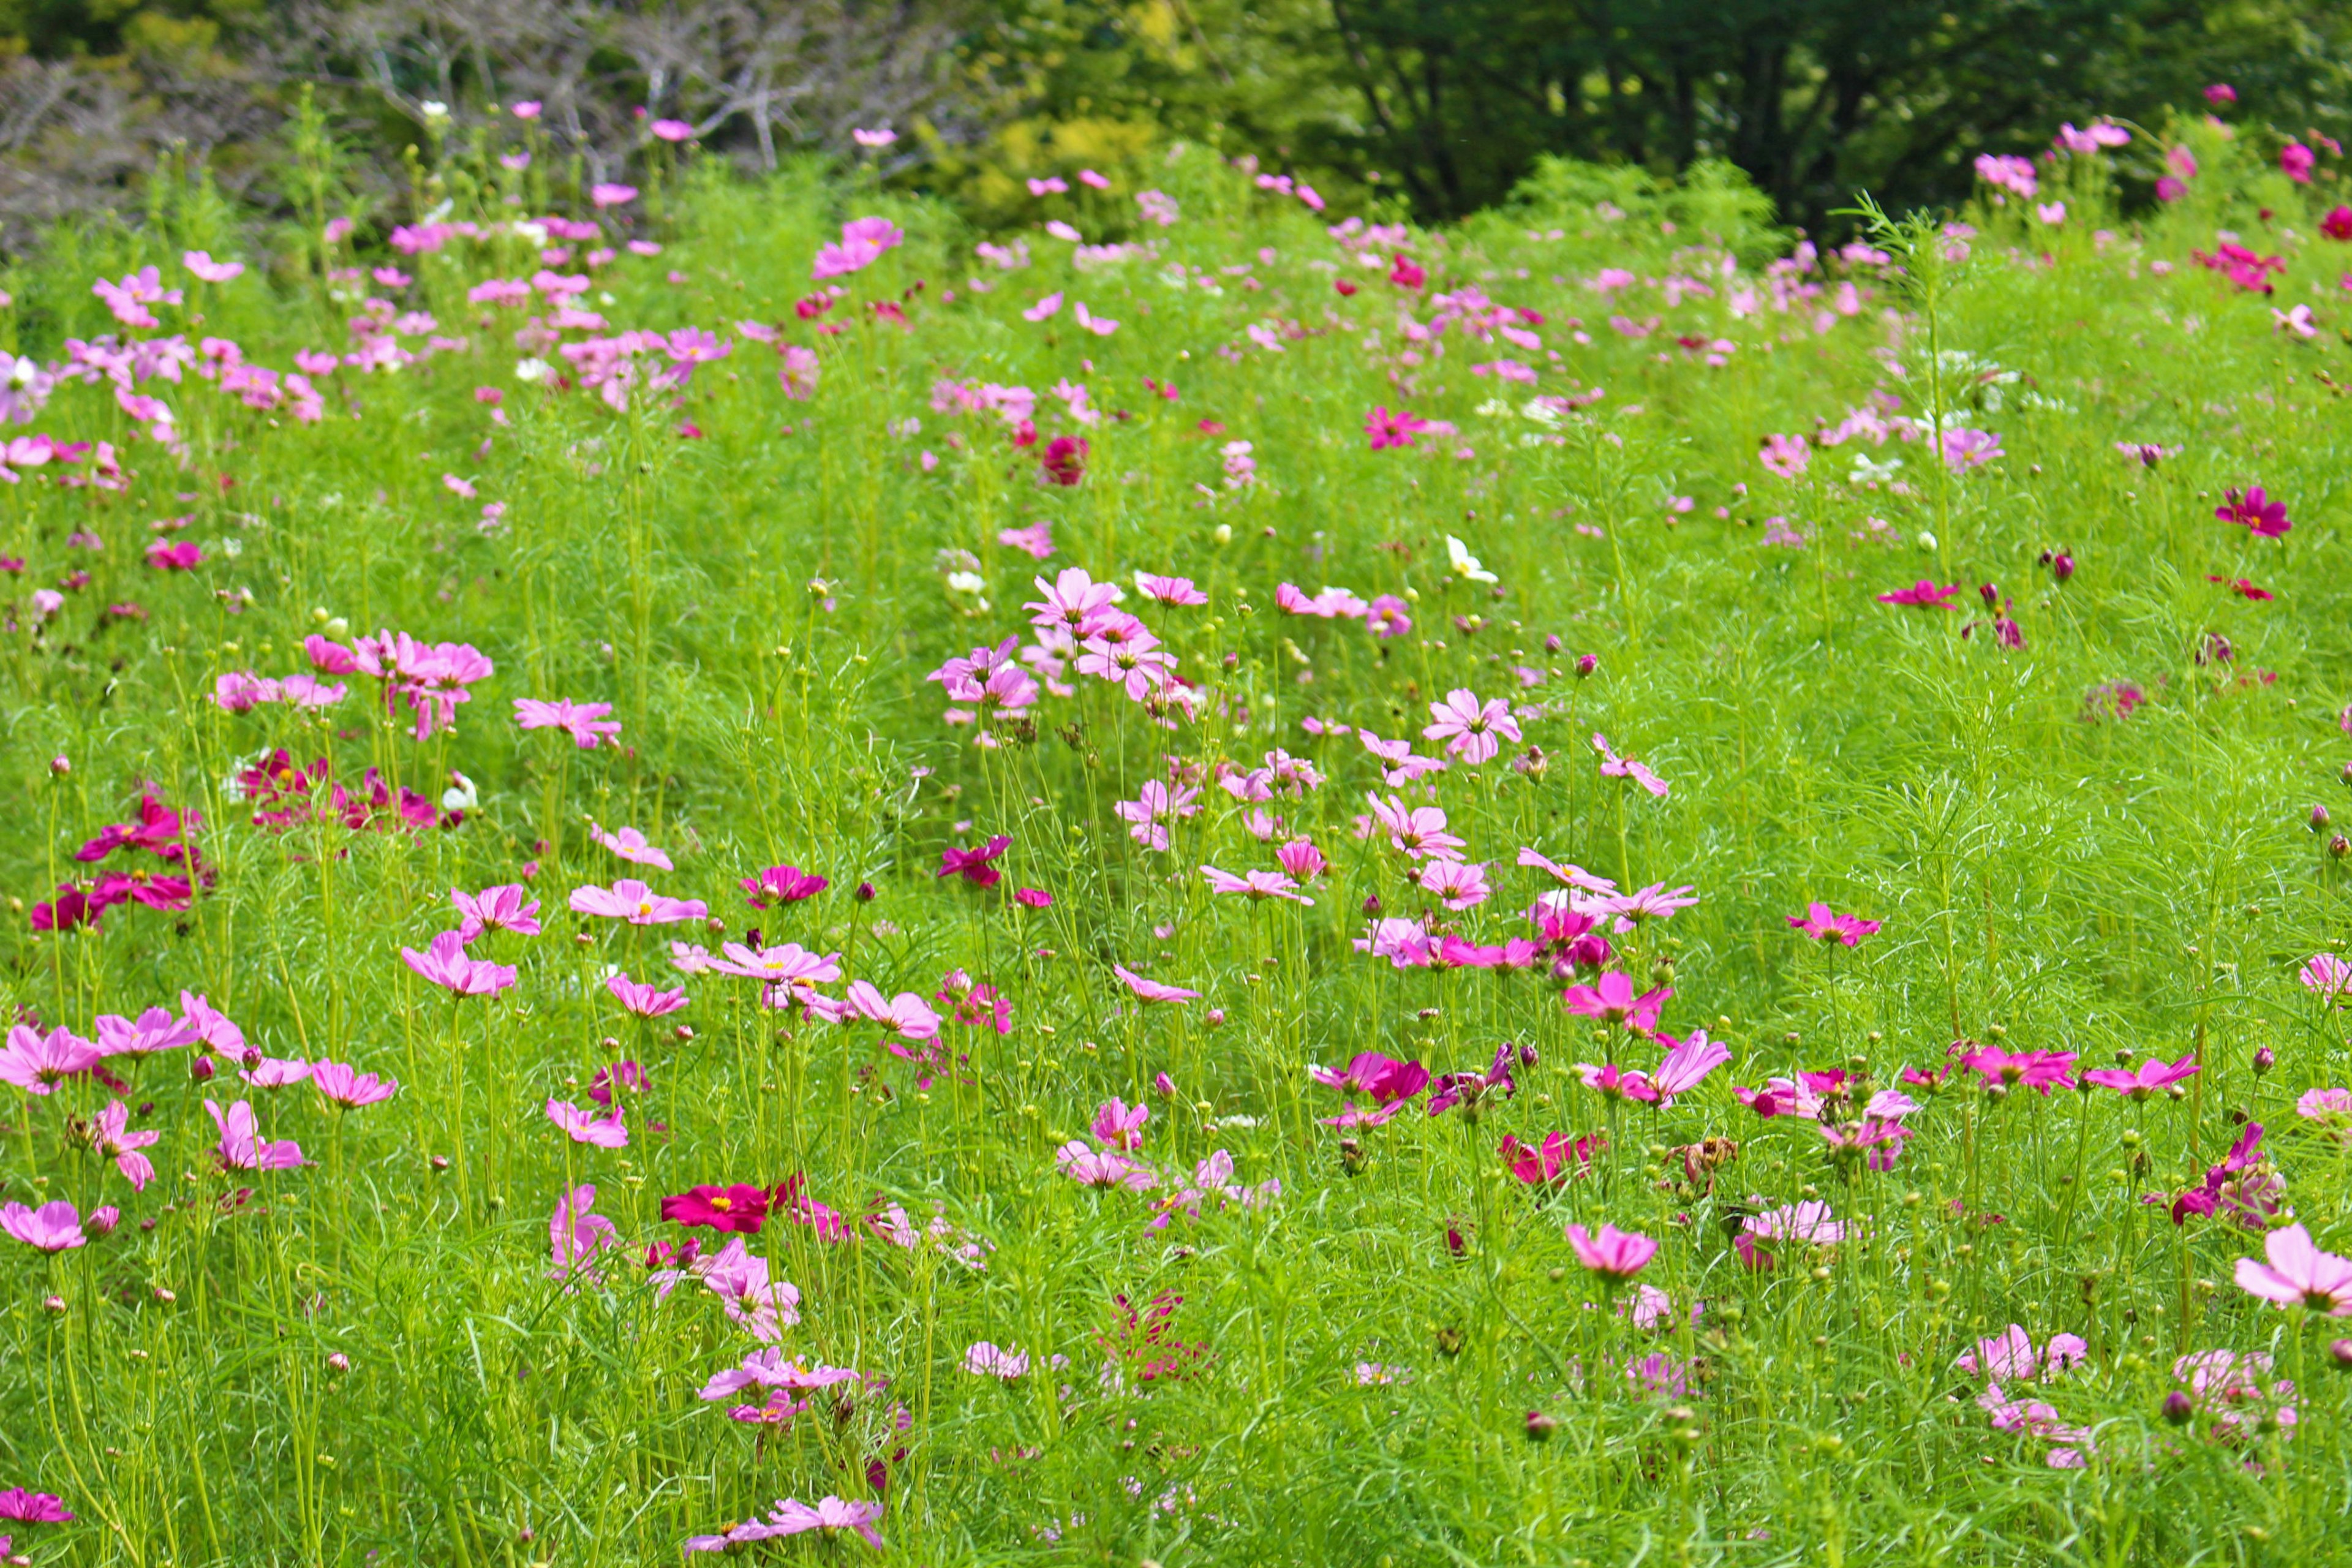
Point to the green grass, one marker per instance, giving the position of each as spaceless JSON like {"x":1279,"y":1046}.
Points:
{"x":760,"y":607}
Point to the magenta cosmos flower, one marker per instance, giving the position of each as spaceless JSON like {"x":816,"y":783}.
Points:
{"x":2299,"y":1274}
{"x":1611,"y":1001}
{"x":2255,"y":512}
{"x":1557,"y":1162}
{"x":975,"y":866}
{"x":1923,"y":594}
{"x":447,"y":963}
{"x":2044,"y":1070}
{"x":1612,"y":1254}
{"x":2154,"y":1074}
{"x":782,"y":884}
{"x":20,"y":1506}
{"x":740,"y":1207}
{"x":631,"y":901}
{"x":583,"y":721}
{"x":1397,"y":429}
{"x":1469,"y":728}
{"x":1385,"y":1079}
{"x":55,"y":1227}
{"x":1821,"y":924}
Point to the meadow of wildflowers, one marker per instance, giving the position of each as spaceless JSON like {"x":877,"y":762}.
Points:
{"x":735,"y":871}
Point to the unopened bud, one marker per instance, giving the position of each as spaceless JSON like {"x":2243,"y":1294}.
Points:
{"x":340,"y":1361}
{"x":1587,"y":665}
{"x":2340,"y":1352}
{"x":1215,"y":1017}
{"x":440,"y":1162}
{"x":2263,"y":1060}
{"x":200,"y":1068}
{"x":2339,"y":847}
{"x":54,"y":1304}
{"x":2320,"y":819}
{"x":2177,"y":1408}
{"x":1552,"y":643}
{"x":60,"y":767}
{"x":1540,"y":1427}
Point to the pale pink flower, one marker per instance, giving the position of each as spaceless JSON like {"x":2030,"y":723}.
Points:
{"x":1301,"y":859}
{"x":1418,"y":831}
{"x":2298,"y":1274}
{"x":632,"y":902}
{"x":985,"y":1360}
{"x":829,"y":1516}
{"x":1152,"y":989}
{"x":36,"y":1062}
{"x":630,"y":844}
{"x":1117,"y":1125}
{"x":156,"y":1030}
{"x":349,"y":1089}
{"x":55,"y":1227}
{"x":111,"y":1135}
{"x":1461,"y":884}
{"x":1170,"y":590}
{"x":2327,"y":976}
{"x":1254,"y":885}
{"x":1103,"y":1168}
{"x":602,"y":1131}
{"x":1614,"y":766}
{"x":577,"y":1235}
{"x":584,"y":721}
{"x":906,"y":1016}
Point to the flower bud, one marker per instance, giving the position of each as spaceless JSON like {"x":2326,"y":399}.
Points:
{"x":1552,"y":643}
{"x":2340,"y":1352}
{"x":56,"y":1304}
{"x":2263,"y":1060}
{"x":1586,"y":664}
{"x":102,"y":1221}
{"x":2178,"y":1409}
{"x":1215,"y":1017}
{"x":2062,"y":566}
{"x":200,"y":1068}
{"x":60,"y":767}
{"x":2339,"y":847}
{"x":864,"y":892}
{"x":2320,"y":819}
{"x":1540,"y":1427}
{"x":440,"y":1162}
{"x":340,"y":1361}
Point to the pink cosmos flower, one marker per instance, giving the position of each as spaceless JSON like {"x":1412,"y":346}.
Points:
{"x":1170,"y":590}
{"x":1966,"y":449}
{"x":2295,"y":162}
{"x":1154,"y":807}
{"x":1787,"y":456}
{"x":1301,"y":859}
{"x":1460,"y":884}
{"x":35,"y":1063}
{"x":1103,"y":1168}
{"x":1611,"y":1001}
{"x":1573,"y":875}
{"x":55,"y":1227}
{"x":2327,"y":976}
{"x":975,"y":866}
{"x":828,"y":1516}
{"x":632,"y":902}
{"x":1470,"y":727}
{"x":647,"y":1000}
{"x":1152,"y":989}
{"x":1385,"y":1080}
{"x":348,"y":1088}
{"x":447,"y":963}
{"x":1821,"y":924}
{"x":273,"y":1072}
{"x":1612,"y":1254}
{"x":1614,"y":766}
{"x":985,"y":1360}
{"x":1418,"y":831}
{"x":1557,"y":1162}
{"x":600,"y":1131}
{"x":1397,"y":429}
{"x":671,"y":129}
{"x":784,"y":884}
{"x":576,"y":1235}
{"x":1657,"y":901}
{"x":2030,"y":1069}
{"x":630,"y":844}
{"x":863,"y":242}
{"x":2220,"y":93}
{"x":110,"y":1135}
{"x":2298,"y":1274}
{"x":790,"y":964}
{"x":2154,"y":1074}
{"x":1688,"y":1062}
{"x":2256,"y":512}
{"x":2329,"y":1107}
{"x":1116,"y":1125}
{"x":1254,"y":885}
{"x":155,"y":1031}
{"x":584,"y":721}
{"x":906,"y":1016}
{"x":1923,"y":594}
{"x":209,"y":270}
{"x":613,"y":195}
{"x":507,"y":906}
{"x":241,"y":1148}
